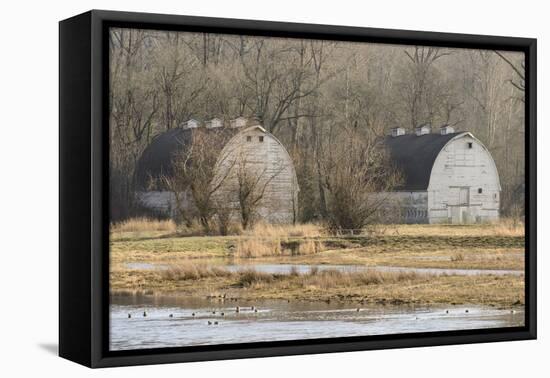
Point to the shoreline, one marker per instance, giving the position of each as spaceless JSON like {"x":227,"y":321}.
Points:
{"x":504,"y":290}
{"x":194,"y":265}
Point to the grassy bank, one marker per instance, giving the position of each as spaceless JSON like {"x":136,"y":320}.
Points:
{"x":195,"y":262}
{"x":499,"y":246}
{"x":329,"y":285}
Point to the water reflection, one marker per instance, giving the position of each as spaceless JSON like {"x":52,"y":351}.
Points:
{"x":306,"y":268}
{"x":193,"y":320}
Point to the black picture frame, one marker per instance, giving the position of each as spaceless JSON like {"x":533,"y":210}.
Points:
{"x":83,"y":196}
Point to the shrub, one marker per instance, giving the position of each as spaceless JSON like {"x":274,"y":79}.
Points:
{"x":252,"y":277}
{"x":252,"y":247}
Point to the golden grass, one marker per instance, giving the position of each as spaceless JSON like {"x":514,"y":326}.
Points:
{"x":322,"y":285}
{"x":310,"y":247}
{"x":267,"y":240}
{"x":324,"y":279}
{"x":306,"y":230}
{"x":457,"y":257}
{"x":503,"y":227}
{"x":251,"y":248}
{"x":509,"y":227}
{"x":273,"y":247}
{"x":144,"y":225}
{"x":430,"y":246}
{"x":194,"y":272}
{"x":190,"y":271}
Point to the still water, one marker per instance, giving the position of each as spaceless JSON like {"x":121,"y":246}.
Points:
{"x":280,"y":320}
{"x":306,"y":268}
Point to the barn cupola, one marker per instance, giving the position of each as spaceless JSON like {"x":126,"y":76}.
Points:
{"x":214,"y":123}
{"x":422,"y":130}
{"x":238,"y":122}
{"x":397,"y":131}
{"x":446,"y":129}
{"x":190,"y":124}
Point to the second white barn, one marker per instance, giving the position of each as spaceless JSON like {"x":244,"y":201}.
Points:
{"x":448,"y":177}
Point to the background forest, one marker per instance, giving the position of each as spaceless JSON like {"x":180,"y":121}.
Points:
{"x":310,"y":94}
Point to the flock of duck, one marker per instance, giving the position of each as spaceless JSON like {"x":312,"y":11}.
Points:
{"x":238,"y":309}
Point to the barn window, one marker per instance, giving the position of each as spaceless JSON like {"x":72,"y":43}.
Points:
{"x":470,"y":145}
{"x":249,"y":138}
{"x":480,"y":190}
{"x":261,"y":139}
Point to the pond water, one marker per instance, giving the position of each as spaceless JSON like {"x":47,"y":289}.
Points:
{"x":280,"y":320}
{"x":306,"y":268}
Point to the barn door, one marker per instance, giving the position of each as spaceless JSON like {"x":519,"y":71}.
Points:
{"x":464,"y":196}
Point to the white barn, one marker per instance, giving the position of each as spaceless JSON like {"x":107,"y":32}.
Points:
{"x":448,"y":177}
{"x":239,"y":142}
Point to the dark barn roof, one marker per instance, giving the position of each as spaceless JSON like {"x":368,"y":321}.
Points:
{"x":156,"y":160}
{"x":415,"y":155}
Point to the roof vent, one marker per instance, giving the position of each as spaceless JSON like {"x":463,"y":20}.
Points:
{"x":213,"y":123}
{"x":446,"y":129}
{"x":238,"y":122}
{"x":397,"y":131}
{"x":422,"y":130}
{"x":191,"y":124}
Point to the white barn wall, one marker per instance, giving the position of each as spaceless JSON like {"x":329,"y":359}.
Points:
{"x":460,"y":168}
{"x":268,"y":158}
{"x":279,"y":203}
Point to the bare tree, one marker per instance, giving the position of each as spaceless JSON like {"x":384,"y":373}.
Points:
{"x":252,"y":182}
{"x":308,"y":93}
{"x":418,"y":91}
{"x":356,"y":174}
{"x":275,"y":75}
{"x":519,"y":70}
{"x":133,"y":105}
{"x":195,"y":174}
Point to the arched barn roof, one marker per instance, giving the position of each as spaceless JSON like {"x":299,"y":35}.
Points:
{"x":156,"y":160}
{"x":415,"y":156}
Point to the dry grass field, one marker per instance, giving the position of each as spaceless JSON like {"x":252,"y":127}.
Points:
{"x":180,"y":261}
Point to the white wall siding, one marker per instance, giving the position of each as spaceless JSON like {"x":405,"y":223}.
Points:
{"x":268,"y":159}
{"x":458,"y":175}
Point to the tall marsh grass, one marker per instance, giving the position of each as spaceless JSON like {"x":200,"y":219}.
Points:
{"x":308,"y":230}
{"x":329,"y":278}
{"x":315,"y":278}
{"x":190,"y":271}
{"x":265,"y":240}
{"x":509,"y":227}
{"x":265,"y":247}
{"x":144,"y":225}
{"x":253,"y":247}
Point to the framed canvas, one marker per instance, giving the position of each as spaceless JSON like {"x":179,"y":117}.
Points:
{"x":235,"y":188}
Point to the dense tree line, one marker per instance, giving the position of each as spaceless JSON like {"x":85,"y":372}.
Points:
{"x":311,"y":94}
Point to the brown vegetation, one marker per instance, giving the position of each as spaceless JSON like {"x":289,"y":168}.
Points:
{"x":355,"y":170}
{"x":322,"y":285}
{"x":306,"y":92}
{"x":194,"y":265}
{"x":143,"y":225}
{"x":487,"y":246}
{"x":194,"y":172}
{"x":269,"y":247}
